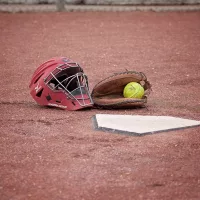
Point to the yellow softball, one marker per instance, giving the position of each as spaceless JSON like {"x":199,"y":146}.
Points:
{"x":133,"y":90}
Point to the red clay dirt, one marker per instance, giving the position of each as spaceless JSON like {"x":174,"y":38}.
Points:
{"x":49,"y":154}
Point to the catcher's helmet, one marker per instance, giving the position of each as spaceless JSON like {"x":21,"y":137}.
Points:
{"x":60,"y":82}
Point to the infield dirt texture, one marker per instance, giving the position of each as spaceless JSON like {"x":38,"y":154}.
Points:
{"x":51,"y":154}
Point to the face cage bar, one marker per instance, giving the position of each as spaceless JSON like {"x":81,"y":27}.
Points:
{"x":67,"y":92}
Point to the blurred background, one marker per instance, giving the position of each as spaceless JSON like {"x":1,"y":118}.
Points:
{"x":103,"y":2}
{"x":62,"y":5}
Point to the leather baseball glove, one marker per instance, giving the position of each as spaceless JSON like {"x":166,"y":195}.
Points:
{"x":108,"y":93}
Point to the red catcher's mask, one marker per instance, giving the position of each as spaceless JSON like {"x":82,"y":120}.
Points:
{"x":60,"y":82}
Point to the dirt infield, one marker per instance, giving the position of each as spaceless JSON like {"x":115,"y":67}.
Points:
{"x":50,"y":154}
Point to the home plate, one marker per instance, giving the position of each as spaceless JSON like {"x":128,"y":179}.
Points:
{"x":140,"y":125}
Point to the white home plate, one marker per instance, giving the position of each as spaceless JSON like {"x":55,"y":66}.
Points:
{"x":140,"y":125}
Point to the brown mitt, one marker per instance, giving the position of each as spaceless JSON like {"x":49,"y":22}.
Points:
{"x":108,"y":93}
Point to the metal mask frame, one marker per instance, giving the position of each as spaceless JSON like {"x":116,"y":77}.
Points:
{"x":79,"y":77}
